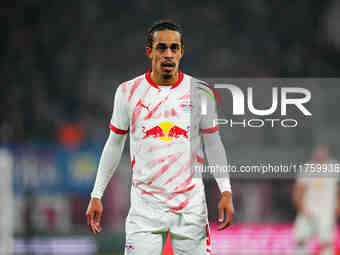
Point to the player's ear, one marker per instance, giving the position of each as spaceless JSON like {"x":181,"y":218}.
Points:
{"x":148,"y":52}
{"x":182,"y":50}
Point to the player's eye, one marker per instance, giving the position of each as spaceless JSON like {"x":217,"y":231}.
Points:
{"x":161,"y":47}
{"x":174,"y":47}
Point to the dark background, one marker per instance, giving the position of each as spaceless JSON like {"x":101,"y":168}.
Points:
{"x":59,"y":59}
{"x":60,"y":62}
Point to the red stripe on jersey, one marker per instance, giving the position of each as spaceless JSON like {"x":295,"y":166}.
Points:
{"x":166,"y":114}
{"x":179,"y":172}
{"x":181,"y":206}
{"x":208,"y":250}
{"x":137,"y":111}
{"x":117,"y":130}
{"x":135,"y":114}
{"x":200,"y":159}
{"x":157,"y":161}
{"x":152,"y":192}
{"x":139,"y":183}
{"x":185,"y":183}
{"x":162,"y":146}
{"x":210,"y":130}
{"x":172,"y":159}
{"x":173,"y":112}
{"x":133,"y":162}
{"x":153,"y":111}
{"x":134,"y":87}
{"x":180,"y":192}
{"x":153,"y":84}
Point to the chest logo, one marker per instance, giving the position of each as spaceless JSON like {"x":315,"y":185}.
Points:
{"x":166,"y":131}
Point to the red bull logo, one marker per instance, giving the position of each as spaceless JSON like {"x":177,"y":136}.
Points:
{"x":166,"y":131}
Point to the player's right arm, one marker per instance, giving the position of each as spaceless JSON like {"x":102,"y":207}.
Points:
{"x":109,"y":160}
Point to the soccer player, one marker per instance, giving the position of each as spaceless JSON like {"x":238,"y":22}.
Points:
{"x":161,"y":110}
{"x":316,"y":202}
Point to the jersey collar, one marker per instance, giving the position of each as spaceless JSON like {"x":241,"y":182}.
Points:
{"x":151,"y":82}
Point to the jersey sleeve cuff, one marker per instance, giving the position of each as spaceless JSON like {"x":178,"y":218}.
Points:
{"x":210,"y":130}
{"x":224,"y":184}
{"x":118,"y":130}
{"x":96,"y":195}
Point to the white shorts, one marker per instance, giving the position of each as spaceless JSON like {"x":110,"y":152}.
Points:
{"x":321,"y":227}
{"x":147,"y":229}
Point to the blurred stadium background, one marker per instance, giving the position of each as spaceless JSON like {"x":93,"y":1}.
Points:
{"x":60,"y":64}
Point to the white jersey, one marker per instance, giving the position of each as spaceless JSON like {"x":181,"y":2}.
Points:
{"x":320,"y":192}
{"x":164,"y":123}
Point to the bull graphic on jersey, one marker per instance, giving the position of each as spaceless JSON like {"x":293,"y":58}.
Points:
{"x":166,"y":131}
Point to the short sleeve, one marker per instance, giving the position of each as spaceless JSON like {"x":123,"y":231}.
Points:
{"x":120,"y":118}
{"x":209,"y":115}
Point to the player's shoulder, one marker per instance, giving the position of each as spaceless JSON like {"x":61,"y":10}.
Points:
{"x":200,"y":87}
{"x":131,"y":82}
{"x":127,"y":88}
{"x":196,"y":83}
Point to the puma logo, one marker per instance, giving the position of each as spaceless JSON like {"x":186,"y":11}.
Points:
{"x":144,"y":106}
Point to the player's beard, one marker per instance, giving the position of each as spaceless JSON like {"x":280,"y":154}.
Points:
{"x":167,"y":76}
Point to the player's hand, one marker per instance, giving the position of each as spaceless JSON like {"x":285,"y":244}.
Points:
{"x":94,"y":213}
{"x":225,"y":206}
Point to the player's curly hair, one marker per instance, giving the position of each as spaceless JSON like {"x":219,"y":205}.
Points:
{"x":162,"y":25}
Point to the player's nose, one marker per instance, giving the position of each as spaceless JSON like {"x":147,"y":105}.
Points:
{"x":168,"y":53}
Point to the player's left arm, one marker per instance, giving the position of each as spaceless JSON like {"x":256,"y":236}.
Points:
{"x":216,"y":156}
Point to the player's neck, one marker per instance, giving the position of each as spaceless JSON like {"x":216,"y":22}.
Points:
{"x":159,"y":80}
